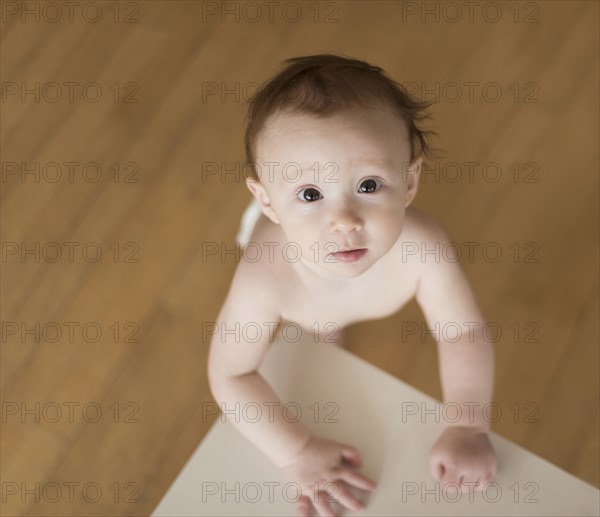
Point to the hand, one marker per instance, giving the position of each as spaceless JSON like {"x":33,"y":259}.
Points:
{"x":320,"y":471}
{"x":463,"y":454}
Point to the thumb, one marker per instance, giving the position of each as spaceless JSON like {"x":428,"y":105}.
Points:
{"x":437,"y":469}
{"x":351,"y":455}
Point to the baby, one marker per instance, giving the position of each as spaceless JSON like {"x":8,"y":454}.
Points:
{"x":336,"y":151}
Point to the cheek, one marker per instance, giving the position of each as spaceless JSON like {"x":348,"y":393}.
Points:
{"x":298,"y":230}
{"x":301,"y":222}
{"x":391,"y":218}
{"x":387,"y":227}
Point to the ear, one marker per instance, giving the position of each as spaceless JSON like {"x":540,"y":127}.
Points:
{"x":259,"y":192}
{"x":413,"y":177}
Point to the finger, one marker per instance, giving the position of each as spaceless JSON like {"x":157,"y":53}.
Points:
{"x":469,"y":483}
{"x":454,"y":487}
{"x":351,"y":454}
{"x":485,"y":480}
{"x":355,"y":479}
{"x":303,"y":506}
{"x":321,"y":505}
{"x":437,"y":470}
{"x":345,"y":497}
{"x":452,"y":480}
{"x":469,"y":480}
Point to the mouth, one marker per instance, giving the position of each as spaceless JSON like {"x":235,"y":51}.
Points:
{"x":349,"y":255}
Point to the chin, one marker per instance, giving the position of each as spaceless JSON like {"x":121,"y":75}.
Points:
{"x":353,"y":275}
{"x":350,"y":270}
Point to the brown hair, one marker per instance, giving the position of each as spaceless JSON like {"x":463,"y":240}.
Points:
{"x":326,"y":84}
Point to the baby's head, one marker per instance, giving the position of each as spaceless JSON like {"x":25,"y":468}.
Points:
{"x":334,"y":154}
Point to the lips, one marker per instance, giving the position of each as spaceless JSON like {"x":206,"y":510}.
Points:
{"x":349,"y":255}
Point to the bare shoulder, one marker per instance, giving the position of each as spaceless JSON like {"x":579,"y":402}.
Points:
{"x":422,"y":227}
{"x":248,"y":319}
{"x":421,"y":240}
{"x":257,"y":273}
{"x":260,"y":273}
{"x":267,"y":255}
{"x":424,"y":246}
{"x":443,"y":293}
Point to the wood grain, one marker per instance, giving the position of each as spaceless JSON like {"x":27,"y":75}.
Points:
{"x":153,"y":392}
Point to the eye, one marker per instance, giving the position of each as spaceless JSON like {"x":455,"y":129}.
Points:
{"x":368,"y":186}
{"x":310,"y":194}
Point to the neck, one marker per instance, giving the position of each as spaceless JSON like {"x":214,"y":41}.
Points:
{"x":312,"y":275}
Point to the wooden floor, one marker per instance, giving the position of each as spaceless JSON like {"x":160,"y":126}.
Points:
{"x":152,"y":214}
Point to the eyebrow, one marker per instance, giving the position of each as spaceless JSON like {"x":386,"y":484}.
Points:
{"x":378,"y":164}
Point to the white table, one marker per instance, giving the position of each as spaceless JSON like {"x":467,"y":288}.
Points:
{"x":227,"y":475}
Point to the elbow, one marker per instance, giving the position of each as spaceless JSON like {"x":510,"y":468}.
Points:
{"x":215,"y":382}
{"x":218,"y":380}
{"x":220,"y":383}
{"x":215,"y":379}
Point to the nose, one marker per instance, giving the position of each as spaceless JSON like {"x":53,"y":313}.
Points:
{"x":345,"y":219}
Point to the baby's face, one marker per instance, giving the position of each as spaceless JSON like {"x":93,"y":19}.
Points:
{"x":336,"y":183}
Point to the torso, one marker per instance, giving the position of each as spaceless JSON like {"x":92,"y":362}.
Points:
{"x":323,"y":310}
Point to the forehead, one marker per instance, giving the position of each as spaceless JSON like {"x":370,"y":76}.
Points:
{"x":361,"y":134}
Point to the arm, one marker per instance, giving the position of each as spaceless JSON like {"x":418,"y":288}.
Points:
{"x":463,"y":453}
{"x":466,"y":357}
{"x":321,"y":467}
{"x":233,"y":363}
